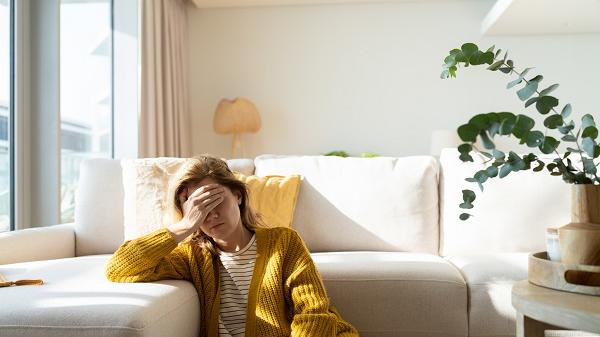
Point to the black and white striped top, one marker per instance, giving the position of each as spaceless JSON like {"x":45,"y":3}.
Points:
{"x":235,"y":274}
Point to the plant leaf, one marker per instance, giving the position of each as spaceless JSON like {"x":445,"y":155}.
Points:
{"x":545,"y":104}
{"x":528,"y":90}
{"x":590,"y":131}
{"x":487,"y":142}
{"x":588,"y":145}
{"x":464,"y":216}
{"x":537,"y":79}
{"x":468,"y":133}
{"x":589,"y":166}
{"x":513,"y":83}
{"x":549,"y":89}
{"x":567,"y":128}
{"x":566,"y":111}
{"x":553,"y":121}
{"x":549,"y":145}
{"x":498,"y":154}
{"x":534,"y":138}
{"x":491,"y":171}
{"x":531,"y":101}
{"x":522,"y":126}
{"x":587,"y":120}
{"x":505,"y":170}
{"x":495,"y":65}
{"x":468,"y":196}
{"x":524,"y":72}
{"x":539,"y":167}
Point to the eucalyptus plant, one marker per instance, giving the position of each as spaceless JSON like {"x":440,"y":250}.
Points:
{"x":576,"y":166}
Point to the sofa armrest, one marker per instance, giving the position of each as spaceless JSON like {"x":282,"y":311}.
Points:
{"x":40,"y":243}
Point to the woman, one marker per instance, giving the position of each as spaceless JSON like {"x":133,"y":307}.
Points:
{"x":251,"y":281}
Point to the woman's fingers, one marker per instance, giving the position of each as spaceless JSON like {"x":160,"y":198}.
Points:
{"x":204,"y":189}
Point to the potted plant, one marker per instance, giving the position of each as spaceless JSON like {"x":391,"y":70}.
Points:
{"x":579,"y":240}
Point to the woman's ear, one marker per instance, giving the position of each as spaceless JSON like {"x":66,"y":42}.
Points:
{"x":238,"y":196}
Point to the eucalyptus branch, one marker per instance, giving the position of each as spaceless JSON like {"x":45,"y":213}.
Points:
{"x":487,"y":126}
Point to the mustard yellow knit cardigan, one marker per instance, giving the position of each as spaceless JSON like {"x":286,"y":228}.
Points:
{"x":286,"y":290}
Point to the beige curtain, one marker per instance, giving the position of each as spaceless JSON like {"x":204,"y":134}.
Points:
{"x":164,"y":113}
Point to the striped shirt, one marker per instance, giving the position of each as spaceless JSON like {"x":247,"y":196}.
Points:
{"x":235,"y":274}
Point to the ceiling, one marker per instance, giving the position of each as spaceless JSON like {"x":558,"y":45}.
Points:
{"x":506,"y":17}
{"x":530,"y":17}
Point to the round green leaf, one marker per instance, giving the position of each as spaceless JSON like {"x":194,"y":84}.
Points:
{"x":468,"y":196}
{"x":553,"y":121}
{"x":468,"y":133}
{"x":491,"y":171}
{"x":507,"y":125}
{"x":590,"y":131}
{"x":549,"y":145}
{"x":522,"y":126}
{"x":545,"y":104}
{"x":469,"y":49}
{"x":534,"y":138}
{"x":480,"y":121}
{"x":481,"y":176}
{"x":465,"y":148}
{"x":464,"y":216}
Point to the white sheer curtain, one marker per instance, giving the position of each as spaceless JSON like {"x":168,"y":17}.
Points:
{"x":164,"y":112}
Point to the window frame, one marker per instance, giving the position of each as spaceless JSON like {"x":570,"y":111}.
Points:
{"x":11,"y":116}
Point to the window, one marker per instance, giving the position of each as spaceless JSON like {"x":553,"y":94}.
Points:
{"x":6,"y":91}
{"x":85,"y":90}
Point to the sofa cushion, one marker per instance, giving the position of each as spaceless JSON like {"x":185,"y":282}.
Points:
{"x":510,"y":215}
{"x":77,"y":300}
{"x":490,"y":278}
{"x":386,"y":294}
{"x":379,"y":204}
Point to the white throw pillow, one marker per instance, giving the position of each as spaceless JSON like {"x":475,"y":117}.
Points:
{"x":146,"y":188}
{"x":375,"y":204}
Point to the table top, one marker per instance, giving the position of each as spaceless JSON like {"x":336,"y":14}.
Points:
{"x":560,"y":308}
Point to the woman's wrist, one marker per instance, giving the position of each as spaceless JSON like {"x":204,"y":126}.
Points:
{"x":180,"y":230}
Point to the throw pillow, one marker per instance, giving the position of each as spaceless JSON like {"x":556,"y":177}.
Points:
{"x":273,"y":197}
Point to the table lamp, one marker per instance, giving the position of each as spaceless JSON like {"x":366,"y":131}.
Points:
{"x":236,"y":116}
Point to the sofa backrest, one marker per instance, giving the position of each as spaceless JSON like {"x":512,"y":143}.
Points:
{"x":99,"y":204}
{"x":510,"y":215}
{"x":379,"y":204}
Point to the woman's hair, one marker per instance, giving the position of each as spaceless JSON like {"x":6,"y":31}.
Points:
{"x":192,"y":172}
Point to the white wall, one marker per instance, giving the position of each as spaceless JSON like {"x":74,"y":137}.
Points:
{"x":365,"y":77}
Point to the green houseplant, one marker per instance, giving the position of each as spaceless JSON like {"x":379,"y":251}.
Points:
{"x":577,"y":166}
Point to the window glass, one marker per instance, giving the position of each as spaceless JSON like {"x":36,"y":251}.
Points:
{"x":85,"y":91}
{"x":5,"y":102}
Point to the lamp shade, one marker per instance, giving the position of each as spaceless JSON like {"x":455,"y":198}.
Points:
{"x":237,"y":116}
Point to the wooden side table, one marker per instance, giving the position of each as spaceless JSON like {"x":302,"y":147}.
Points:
{"x":540,"y":309}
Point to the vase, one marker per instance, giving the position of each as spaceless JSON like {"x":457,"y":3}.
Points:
{"x":580,"y":240}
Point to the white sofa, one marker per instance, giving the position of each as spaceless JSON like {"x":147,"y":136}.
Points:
{"x":383,"y":232}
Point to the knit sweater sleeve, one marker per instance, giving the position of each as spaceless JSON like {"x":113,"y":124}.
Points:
{"x":151,"y":257}
{"x":312,"y":313}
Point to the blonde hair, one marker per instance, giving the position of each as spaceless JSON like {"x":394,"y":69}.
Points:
{"x":192,"y":172}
